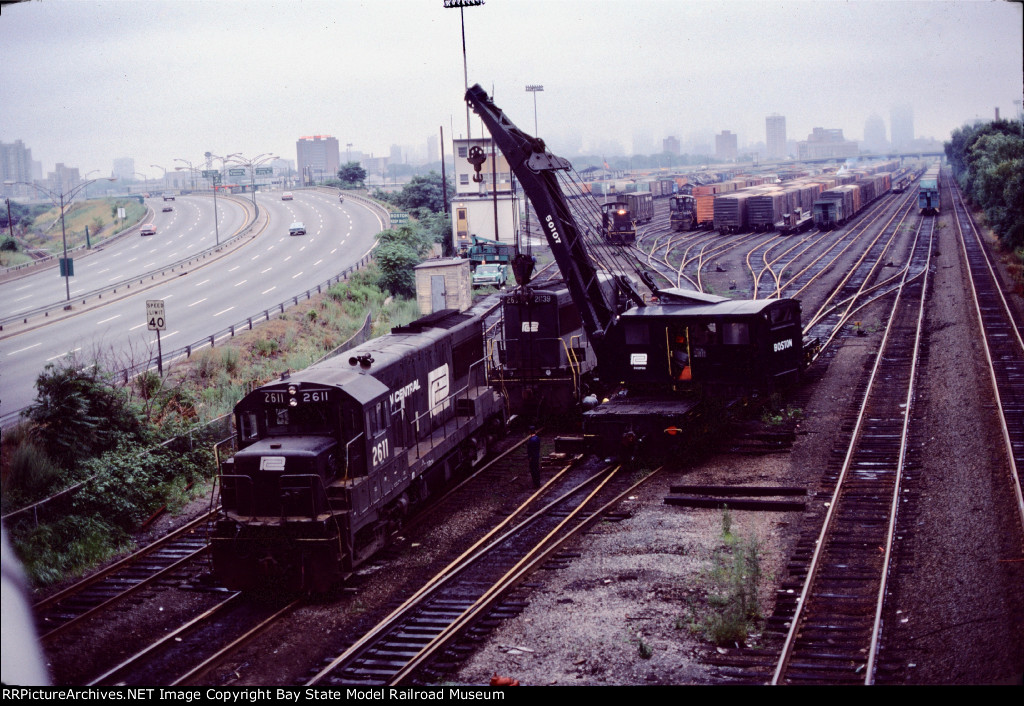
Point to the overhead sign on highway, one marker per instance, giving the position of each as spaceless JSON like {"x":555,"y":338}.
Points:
{"x":236,"y":172}
{"x":264,"y":171}
{"x":155,"y":315}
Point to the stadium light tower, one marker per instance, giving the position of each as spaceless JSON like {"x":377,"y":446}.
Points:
{"x":465,"y":70}
{"x":534,"y":89}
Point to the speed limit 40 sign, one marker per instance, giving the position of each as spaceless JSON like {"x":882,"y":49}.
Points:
{"x":155,"y":315}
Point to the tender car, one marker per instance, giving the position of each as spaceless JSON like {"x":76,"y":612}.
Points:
{"x":490,"y":276}
{"x":148,"y":229}
{"x":297,"y":228}
{"x":286,"y":196}
{"x":168,"y":207}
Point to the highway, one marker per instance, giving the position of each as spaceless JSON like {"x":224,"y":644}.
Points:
{"x":270,"y":268}
{"x":186,"y":230}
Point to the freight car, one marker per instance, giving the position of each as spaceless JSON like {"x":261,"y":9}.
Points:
{"x":641,"y":206}
{"x":332,"y":458}
{"x":928,"y":192}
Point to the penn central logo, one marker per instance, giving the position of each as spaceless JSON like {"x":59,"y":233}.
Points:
{"x":783,"y":345}
{"x":403,"y":392}
{"x":272,"y":463}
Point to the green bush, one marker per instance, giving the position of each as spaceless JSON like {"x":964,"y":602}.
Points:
{"x":53,"y":552}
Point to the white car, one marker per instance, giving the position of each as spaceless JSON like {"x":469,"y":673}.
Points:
{"x":287,"y":196}
{"x":148,"y":229}
{"x":297,"y":228}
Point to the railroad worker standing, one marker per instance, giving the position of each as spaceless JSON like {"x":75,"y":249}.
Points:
{"x":533,"y":453}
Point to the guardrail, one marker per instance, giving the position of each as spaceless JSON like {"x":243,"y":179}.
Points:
{"x":45,"y":311}
{"x":207,"y":432}
{"x":246,"y":324}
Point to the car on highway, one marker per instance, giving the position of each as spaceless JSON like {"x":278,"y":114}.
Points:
{"x":490,"y":276}
{"x":147,"y":229}
{"x":297,"y":228}
{"x":168,"y":207}
{"x":286,"y":196}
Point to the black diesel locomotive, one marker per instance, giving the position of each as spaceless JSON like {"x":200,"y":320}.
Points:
{"x":330,"y":459}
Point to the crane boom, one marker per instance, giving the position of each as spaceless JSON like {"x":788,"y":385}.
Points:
{"x":535,"y":168}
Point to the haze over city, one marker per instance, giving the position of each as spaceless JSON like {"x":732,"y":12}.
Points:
{"x":84,"y":83}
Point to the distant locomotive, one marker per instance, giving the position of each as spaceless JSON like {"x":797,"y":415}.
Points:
{"x":928,"y":192}
{"x":621,"y":216}
{"x":682,"y":212}
{"x":331,"y":458}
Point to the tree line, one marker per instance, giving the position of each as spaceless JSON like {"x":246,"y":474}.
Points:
{"x":988,"y":164}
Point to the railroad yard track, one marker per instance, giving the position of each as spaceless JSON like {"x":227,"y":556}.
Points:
{"x":408,"y":645}
{"x":163,"y":561}
{"x":184,"y":655}
{"x":1001,"y":337}
{"x":834,"y":630}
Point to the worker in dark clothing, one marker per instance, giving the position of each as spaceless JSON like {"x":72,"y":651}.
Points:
{"x":533,"y":453}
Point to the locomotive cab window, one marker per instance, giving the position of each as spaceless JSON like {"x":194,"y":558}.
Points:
{"x":248,"y":429}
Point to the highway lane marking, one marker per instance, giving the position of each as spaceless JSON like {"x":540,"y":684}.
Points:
{"x":317,"y":263}
{"x":115,"y":316}
{"x":199,"y":302}
{"x":298,"y":275}
{"x":225,"y":311}
{"x":73,"y":350}
{"x":149,"y":264}
{"x":266,"y":270}
{"x":237,"y":284}
{"x":200,"y":284}
{"x":288,"y":258}
{"x":22,"y":350}
{"x":234,"y":268}
{"x":265,"y":291}
{"x":135,"y":327}
{"x":168,"y":335}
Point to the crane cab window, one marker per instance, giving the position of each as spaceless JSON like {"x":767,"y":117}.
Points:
{"x":735,"y":333}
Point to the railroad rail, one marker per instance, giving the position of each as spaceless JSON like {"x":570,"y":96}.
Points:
{"x":139,"y":570}
{"x":834,"y":630}
{"x":1001,"y":339}
{"x":469,"y":588}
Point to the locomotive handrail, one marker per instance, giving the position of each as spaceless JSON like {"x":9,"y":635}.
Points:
{"x":348,"y":445}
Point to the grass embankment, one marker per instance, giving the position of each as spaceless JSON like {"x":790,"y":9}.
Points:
{"x":129,"y":481}
{"x":100,"y":215}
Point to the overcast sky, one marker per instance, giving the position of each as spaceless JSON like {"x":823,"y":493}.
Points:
{"x":84,"y":82}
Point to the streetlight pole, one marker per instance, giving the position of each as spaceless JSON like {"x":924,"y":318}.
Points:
{"x":69,"y":195}
{"x":165,"y":174}
{"x":191,"y":171}
{"x":465,"y":70}
{"x":252,"y":164}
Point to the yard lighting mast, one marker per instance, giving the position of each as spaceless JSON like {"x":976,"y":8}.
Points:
{"x":465,"y":70}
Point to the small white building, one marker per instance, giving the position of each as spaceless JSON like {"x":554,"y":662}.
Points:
{"x":445,"y":283}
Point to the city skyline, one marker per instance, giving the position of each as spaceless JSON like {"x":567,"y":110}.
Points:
{"x":84,"y":83}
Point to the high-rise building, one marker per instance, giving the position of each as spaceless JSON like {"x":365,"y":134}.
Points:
{"x":319,"y":157}
{"x":901,"y":119}
{"x":827,"y":144}
{"x":15,"y":162}
{"x":874,"y":134}
{"x":726,"y":146}
{"x":124,"y":168}
{"x":670,"y":145}
{"x":775,"y":133}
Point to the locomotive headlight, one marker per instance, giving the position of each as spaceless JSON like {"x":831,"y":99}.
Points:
{"x":293,"y":402}
{"x":292,"y":390}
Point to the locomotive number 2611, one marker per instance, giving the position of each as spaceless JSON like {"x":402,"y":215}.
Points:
{"x":380,"y":452}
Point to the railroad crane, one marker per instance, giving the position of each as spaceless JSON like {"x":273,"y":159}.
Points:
{"x":662,"y":354}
